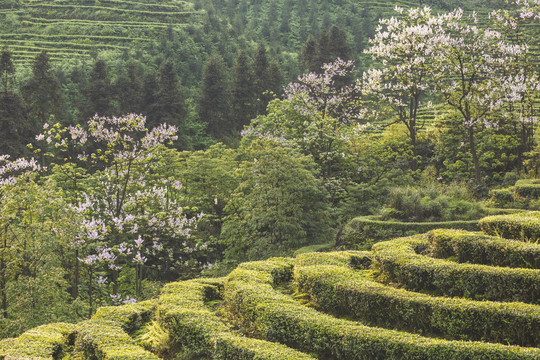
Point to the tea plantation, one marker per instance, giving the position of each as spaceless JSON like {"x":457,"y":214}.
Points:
{"x":445,"y":294}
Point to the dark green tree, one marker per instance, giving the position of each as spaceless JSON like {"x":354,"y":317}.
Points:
{"x":98,"y":92}
{"x":243,"y":99}
{"x":129,"y":89}
{"x":7,"y":69}
{"x":41,"y":92}
{"x":308,"y":55}
{"x":168,"y":104}
{"x":214,"y":99}
{"x":262,"y":77}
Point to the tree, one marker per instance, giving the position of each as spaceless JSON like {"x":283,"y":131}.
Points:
{"x":7,"y":69}
{"x":98,"y":92}
{"x":214,"y":100}
{"x":129,"y":89}
{"x":405,"y":48}
{"x":309,"y":55}
{"x":278,"y":206}
{"x":243,"y":98}
{"x":262,"y":77}
{"x":169,"y":102}
{"x":41,"y":92}
{"x":471,"y":75}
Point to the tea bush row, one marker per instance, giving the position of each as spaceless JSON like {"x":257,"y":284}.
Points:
{"x":342,"y":291}
{"x":277,"y":317}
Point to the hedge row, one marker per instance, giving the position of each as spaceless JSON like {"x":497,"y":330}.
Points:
{"x":523,"y":226}
{"x":105,"y":340}
{"x":528,"y":188}
{"x":400,"y":260}
{"x":42,"y":342}
{"x":354,"y":259}
{"x":363,"y":229}
{"x":277,"y":317}
{"x":195,"y":330}
{"x":130,"y":317}
{"x":481,"y":249}
{"x":344,"y":292}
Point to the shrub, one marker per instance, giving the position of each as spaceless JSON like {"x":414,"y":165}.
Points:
{"x":42,"y":342}
{"x":400,"y":260}
{"x":195,"y":330}
{"x":277,"y":317}
{"x":502,"y":197}
{"x":365,"y":229}
{"x":130,"y":317}
{"x":342,"y":291}
{"x":105,"y":340}
{"x":522,"y":226}
{"x":481,"y":249}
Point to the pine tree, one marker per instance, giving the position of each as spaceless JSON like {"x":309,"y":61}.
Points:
{"x":275,"y":78}
{"x":7,"y":69}
{"x":169,"y":101}
{"x":309,"y":56}
{"x":98,"y":92}
{"x":338,"y":47}
{"x":129,"y":89}
{"x":243,"y":100}
{"x":260,"y":69}
{"x":214,"y":100}
{"x":41,"y":92}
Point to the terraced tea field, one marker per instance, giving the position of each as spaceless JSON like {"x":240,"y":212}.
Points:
{"x":446,"y":294}
{"x":70,"y":29}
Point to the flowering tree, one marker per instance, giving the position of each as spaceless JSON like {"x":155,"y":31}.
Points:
{"x":515,"y":26}
{"x":472,"y":78}
{"x":406,"y":49}
{"x":130,"y":216}
{"x":318,"y":115}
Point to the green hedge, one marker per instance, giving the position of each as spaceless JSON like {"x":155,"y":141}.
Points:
{"x":130,"y":317}
{"x":344,"y":292}
{"x":197,"y":331}
{"x":524,"y":226}
{"x":355,"y":259}
{"x":401,"y":261}
{"x":277,"y":317}
{"x":105,"y":340}
{"x":366,"y":229}
{"x":481,"y":249}
{"x":43,"y":342}
{"x":528,"y":188}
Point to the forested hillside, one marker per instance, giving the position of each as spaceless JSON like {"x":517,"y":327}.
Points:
{"x":155,"y":154}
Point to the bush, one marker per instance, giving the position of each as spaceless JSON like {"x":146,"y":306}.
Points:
{"x":502,"y":198}
{"x":342,"y":291}
{"x":105,"y":340}
{"x":130,"y":317}
{"x":481,"y":249}
{"x":401,"y":260}
{"x":195,"y":330}
{"x":367,"y":229}
{"x":523,"y":226}
{"x":42,"y":342}
{"x":277,"y":317}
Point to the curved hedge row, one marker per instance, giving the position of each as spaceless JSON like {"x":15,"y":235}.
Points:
{"x":481,"y":249}
{"x":277,"y":317}
{"x":523,"y":226}
{"x":367,"y":228}
{"x":400,"y":260}
{"x":42,"y":342}
{"x":199,"y":332}
{"x":340,"y":290}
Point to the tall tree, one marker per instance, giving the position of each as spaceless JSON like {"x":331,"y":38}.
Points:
{"x":7,"y":68}
{"x":98,"y":92}
{"x":169,"y":101}
{"x":309,"y":55}
{"x":129,"y":89}
{"x":243,"y":98}
{"x":41,"y":92}
{"x":262,"y":77}
{"x":214,"y":100}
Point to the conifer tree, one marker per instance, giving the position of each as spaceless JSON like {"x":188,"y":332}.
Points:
{"x":214,"y":100}
{"x":242,"y":92}
{"x":98,"y":92}
{"x":262,"y":77}
{"x":41,"y":92}
{"x":128,"y":89}
{"x":169,"y":102}
{"x":7,"y":69}
{"x":309,"y":55}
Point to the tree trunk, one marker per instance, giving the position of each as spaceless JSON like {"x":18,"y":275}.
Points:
{"x":476,"y":162}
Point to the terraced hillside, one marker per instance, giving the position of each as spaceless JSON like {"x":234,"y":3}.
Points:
{"x":446,"y":294}
{"x":70,"y":29}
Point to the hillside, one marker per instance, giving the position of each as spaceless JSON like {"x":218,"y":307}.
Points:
{"x":442,"y":295}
